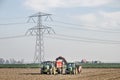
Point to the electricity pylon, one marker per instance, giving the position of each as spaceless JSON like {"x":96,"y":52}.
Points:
{"x":39,"y":30}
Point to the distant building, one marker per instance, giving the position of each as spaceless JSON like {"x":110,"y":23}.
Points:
{"x":83,"y":61}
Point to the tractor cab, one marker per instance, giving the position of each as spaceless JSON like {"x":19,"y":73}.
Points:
{"x":46,"y":67}
{"x":71,"y":68}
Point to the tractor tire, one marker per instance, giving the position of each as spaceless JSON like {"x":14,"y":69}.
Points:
{"x":63,"y":71}
{"x":54,"y":71}
{"x":40,"y":71}
{"x":74,"y":71}
{"x":51,"y":71}
{"x":48,"y":72}
{"x":80,"y":69}
{"x":60,"y":71}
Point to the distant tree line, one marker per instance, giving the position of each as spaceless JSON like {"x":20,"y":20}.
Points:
{"x":11,"y":61}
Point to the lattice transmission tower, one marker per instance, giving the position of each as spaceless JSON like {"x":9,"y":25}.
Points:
{"x":39,"y":30}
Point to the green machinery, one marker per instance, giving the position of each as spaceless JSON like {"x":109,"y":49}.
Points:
{"x":48,"y":67}
{"x":73,"y":68}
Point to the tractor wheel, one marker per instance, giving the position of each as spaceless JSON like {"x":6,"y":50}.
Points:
{"x":60,"y":71}
{"x":74,"y":71}
{"x":63,"y":70}
{"x":48,"y":72}
{"x":54,"y":70}
{"x":40,"y":71}
{"x":80,"y":69}
{"x":51,"y":71}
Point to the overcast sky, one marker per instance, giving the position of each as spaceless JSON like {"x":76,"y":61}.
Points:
{"x":81,"y":20}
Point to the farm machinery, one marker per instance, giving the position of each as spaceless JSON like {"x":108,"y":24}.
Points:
{"x":47,"y":67}
{"x":59,"y":66}
{"x":73,"y":68}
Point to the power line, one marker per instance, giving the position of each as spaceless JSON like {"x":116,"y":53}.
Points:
{"x":85,"y":38}
{"x":14,"y":23}
{"x":67,"y":36}
{"x":76,"y":28}
{"x":1,"y":18}
{"x":70,"y":38}
{"x":88,"y":29}
{"x":11,"y":37}
{"x":68,"y":23}
{"x":79,"y":24}
{"x":70,"y":27}
{"x":79,"y":40}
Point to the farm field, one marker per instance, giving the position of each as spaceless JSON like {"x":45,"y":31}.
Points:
{"x":33,"y":74}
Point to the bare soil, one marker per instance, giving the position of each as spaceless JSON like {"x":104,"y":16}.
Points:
{"x":33,"y":74}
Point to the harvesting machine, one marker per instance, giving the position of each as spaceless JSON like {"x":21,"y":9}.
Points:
{"x":60,"y":66}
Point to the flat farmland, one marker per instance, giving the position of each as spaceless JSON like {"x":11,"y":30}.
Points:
{"x":33,"y":74}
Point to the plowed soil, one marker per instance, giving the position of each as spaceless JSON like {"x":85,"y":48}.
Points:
{"x":33,"y":74}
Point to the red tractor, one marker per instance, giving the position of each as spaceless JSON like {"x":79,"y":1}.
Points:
{"x":61,"y":65}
